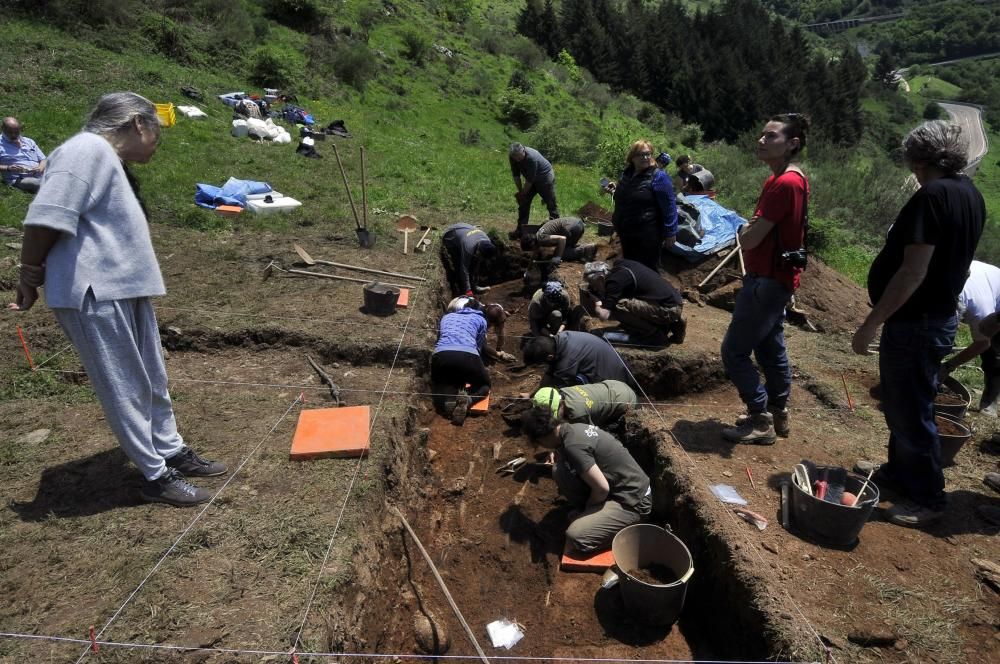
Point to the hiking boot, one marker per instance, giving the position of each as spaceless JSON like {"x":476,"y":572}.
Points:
{"x":989,"y":410}
{"x":480,"y":290}
{"x":781,"y":422}
{"x":461,"y":408}
{"x":678,"y":331}
{"x":912,"y":515}
{"x":755,"y":429}
{"x":992,"y":480}
{"x":587,"y":252}
{"x":171,"y":488}
{"x":190,"y":464}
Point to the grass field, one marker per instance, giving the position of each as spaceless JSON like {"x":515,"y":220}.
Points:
{"x":933,"y":87}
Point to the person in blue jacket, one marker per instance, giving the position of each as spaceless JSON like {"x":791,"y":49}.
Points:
{"x":457,"y":360}
{"x":645,"y":216}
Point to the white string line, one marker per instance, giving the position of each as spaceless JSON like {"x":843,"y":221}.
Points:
{"x":323,"y":388}
{"x":508,"y":658}
{"x":190,"y":525}
{"x":52,"y":357}
{"x":736,"y":522}
{"x":354,"y":477}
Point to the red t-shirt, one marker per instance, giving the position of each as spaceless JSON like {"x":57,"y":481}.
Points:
{"x":783,"y":202}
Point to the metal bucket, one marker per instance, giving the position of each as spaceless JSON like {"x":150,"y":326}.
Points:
{"x":380,"y":299}
{"x":951,"y":443}
{"x":638,"y":547}
{"x":832,"y":523}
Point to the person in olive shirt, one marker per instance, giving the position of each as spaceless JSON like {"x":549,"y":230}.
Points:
{"x":603,"y":404}
{"x":564,"y":234}
{"x":648,"y":307}
{"x":596,"y":474}
{"x":549,"y":309}
{"x":914,"y":284}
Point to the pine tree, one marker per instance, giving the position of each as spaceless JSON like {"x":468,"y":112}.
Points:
{"x":885,"y":70}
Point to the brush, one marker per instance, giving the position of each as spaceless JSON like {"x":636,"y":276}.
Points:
{"x":836,"y":484}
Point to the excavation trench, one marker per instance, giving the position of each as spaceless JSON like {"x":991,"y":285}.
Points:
{"x":497,"y":540}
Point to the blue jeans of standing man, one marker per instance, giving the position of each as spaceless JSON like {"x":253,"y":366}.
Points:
{"x":910,"y":354}
{"x":758,"y":327}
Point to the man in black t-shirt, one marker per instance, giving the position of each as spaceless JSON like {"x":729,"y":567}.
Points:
{"x":914,"y":285}
{"x":596,"y":474}
{"x":647,"y":306}
{"x":576,"y":358}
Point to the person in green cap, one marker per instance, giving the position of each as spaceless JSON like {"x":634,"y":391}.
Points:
{"x":602,"y":404}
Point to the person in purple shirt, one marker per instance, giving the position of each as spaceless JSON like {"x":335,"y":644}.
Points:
{"x":21,"y":161}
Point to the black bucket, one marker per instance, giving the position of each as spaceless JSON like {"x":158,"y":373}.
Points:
{"x":951,"y":443}
{"x":380,"y":299}
{"x":956,"y":410}
{"x":831,"y":523}
{"x":366,"y":239}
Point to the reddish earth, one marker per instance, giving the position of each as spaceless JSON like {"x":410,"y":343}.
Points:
{"x":74,"y":542}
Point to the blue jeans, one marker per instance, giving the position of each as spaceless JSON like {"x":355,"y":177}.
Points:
{"x":758,"y":327}
{"x":910,"y":354}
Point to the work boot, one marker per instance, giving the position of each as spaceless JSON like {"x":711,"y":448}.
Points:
{"x":992,"y":480}
{"x":461,"y":408}
{"x":989,"y":410}
{"x":781,"y":422}
{"x":912,"y":515}
{"x":755,"y":429}
{"x":190,"y":464}
{"x":171,"y":488}
{"x":587,"y":252}
{"x":480,"y":290}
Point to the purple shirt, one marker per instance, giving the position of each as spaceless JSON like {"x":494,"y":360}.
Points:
{"x":23,"y":152}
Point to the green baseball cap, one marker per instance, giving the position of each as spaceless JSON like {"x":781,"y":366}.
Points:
{"x":548,"y":396}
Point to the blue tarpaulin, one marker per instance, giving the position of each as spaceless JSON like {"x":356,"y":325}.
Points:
{"x":719,"y":224}
{"x":234,"y":192}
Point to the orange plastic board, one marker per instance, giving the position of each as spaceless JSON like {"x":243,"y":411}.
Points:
{"x":575,"y":562}
{"x":404,"y":298}
{"x":481,"y":406}
{"x":229,"y":210}
{"x":331,"y":432}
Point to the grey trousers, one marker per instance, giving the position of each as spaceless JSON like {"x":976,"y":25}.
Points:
{"x":119,"y":344}
{"x":594,"y":529}
{"x":28,"y":183}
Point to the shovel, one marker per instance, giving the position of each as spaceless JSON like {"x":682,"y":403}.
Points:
{"x":423,"y":242}
{"x":407,"y":224}
{"x":309,"y":260}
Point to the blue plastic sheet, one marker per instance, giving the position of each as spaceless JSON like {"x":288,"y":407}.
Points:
{"x":720,"y":225}
{"x":233,"y":192}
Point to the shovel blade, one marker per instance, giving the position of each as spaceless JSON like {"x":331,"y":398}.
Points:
{"x":306,"y":258}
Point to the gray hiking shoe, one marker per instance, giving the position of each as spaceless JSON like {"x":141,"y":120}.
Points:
{"x":587,"y":252}
{"x":781,"y":422}
{"x":755,"y":429}
{"x":912,"y":515}
{"x":171,"y":488}
{"x":462,"y":402}
{"x":190,"y":464}
{"x":992,"y":480}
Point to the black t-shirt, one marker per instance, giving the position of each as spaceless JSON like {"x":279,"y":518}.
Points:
{"x":630,"y":279}
{"x":949,"y":213}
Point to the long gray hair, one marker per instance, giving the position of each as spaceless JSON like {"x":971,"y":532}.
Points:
{"x":115,"y":110}
{"x":937,"y":143}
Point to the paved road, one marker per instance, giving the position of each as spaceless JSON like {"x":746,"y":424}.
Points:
{"x":971,"y":119}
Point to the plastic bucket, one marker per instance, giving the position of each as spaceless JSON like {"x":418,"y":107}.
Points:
{"x":957,"y":410}
{"x":832,"y":523}
{"x":638,"y":548}
{"x":951,"y":443}
{"x":380,"y":299}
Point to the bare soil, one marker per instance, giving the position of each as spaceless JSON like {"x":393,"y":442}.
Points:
{"x":75,"y":542}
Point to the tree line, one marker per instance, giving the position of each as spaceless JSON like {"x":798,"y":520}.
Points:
{"x":725,"y":69}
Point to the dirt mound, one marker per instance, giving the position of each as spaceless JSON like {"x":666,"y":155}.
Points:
{"x":831,"y":301}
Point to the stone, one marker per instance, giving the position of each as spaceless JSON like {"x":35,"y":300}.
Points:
{"x":727,"y":473}
{"x":34,"y":437}
{"x":432,"y":638}
{"x":872,"y":638}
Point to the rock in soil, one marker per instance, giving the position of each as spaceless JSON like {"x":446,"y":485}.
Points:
{"x":34,"y":437}
{"x":432,"y":638}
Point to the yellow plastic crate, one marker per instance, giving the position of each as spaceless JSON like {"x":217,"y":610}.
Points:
{"x":166,"y":114}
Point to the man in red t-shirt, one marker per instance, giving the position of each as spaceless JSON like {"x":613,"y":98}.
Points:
{"x":757,"y":327}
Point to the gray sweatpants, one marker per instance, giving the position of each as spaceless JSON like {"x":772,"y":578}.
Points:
{"x":119,"y":344}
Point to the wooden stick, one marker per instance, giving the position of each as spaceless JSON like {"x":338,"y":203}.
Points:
{"x":313,"y":261}
{"x":337,"y":276}
{"x":440,"y":581}
{"x":424,"y":236}
{"x":324,"y":377}
{"x":743,"y":267}
{"x":850,"y":401}
{"x":364,"y":189}
{"x":343,"y":173}
{"x":725,"y":260}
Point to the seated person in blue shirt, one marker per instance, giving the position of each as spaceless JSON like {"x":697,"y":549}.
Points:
{"x":21,"y":161}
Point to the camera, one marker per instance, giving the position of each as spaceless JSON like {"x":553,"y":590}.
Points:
{"x":798,"y":258}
